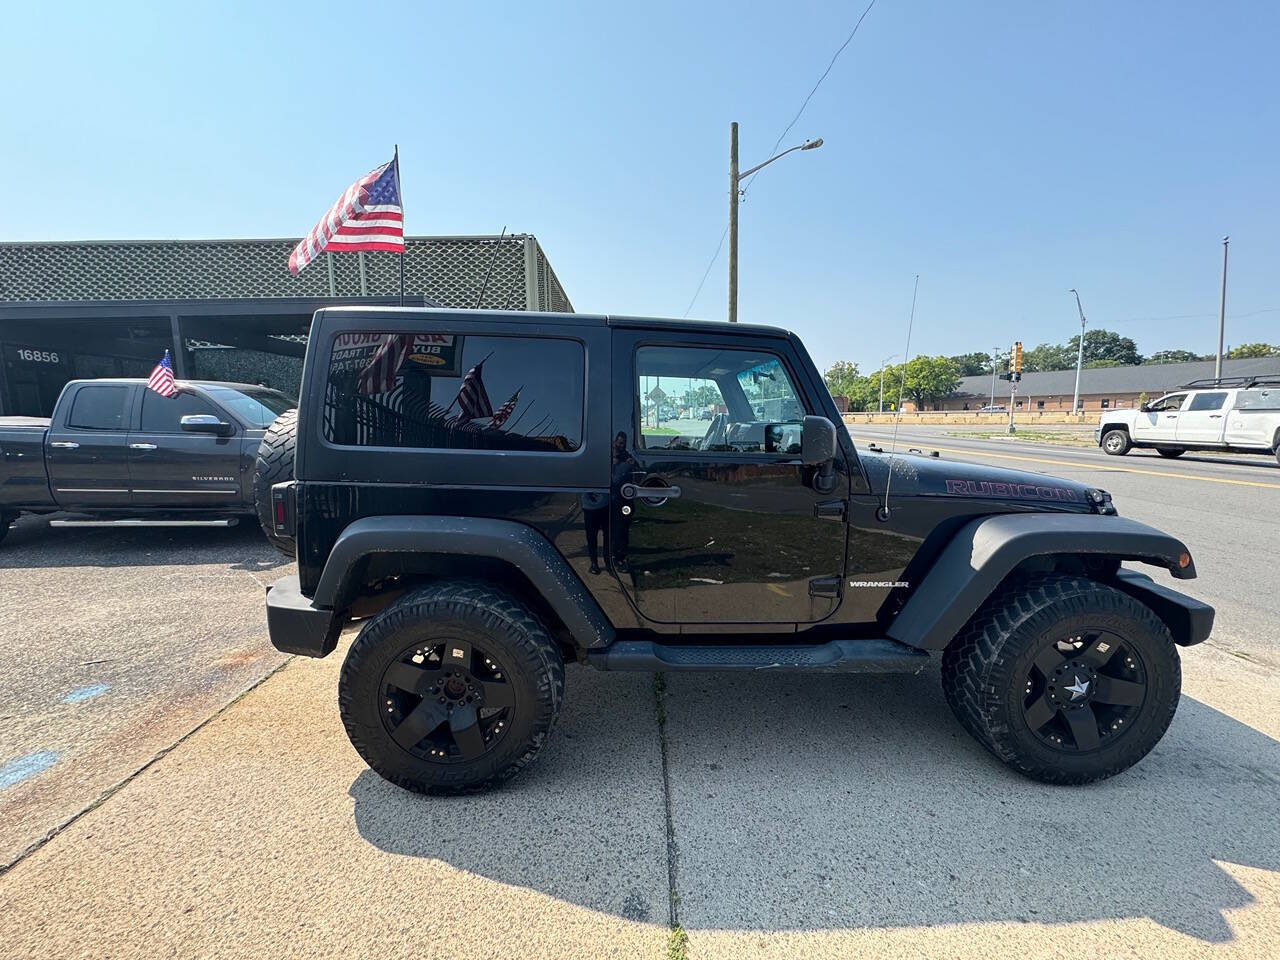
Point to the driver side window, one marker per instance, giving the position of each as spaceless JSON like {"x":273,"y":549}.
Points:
{"x":719,"y":400}
{"x":1169,"y":403}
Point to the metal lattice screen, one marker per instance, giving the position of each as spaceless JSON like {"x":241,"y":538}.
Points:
{"x":449,"y":270}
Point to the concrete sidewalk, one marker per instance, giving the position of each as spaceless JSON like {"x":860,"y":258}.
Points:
{"x":264,"y":834}
{"x":814,"y":816}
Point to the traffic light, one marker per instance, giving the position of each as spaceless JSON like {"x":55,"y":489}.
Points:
{"x":1017,"y":356}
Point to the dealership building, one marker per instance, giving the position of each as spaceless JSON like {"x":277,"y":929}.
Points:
{"x":224,"y":309}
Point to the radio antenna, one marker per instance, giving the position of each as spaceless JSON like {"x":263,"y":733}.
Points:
{"x":883,"y":512}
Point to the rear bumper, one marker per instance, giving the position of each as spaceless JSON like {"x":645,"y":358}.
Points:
{"x":1189,"y":620}
{"x":295,"y":626}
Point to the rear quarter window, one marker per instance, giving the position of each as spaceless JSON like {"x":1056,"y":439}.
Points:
{"x":1260,"y":398}
{"x":455,"y":392}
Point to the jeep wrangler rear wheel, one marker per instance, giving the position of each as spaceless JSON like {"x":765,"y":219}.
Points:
{"x":451,"y":689}
{"x":1064,"y":679}
{"x":1116,"y":442}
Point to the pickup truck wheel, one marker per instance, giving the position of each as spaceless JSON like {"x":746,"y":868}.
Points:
{"x":275,"y":465}
{"x":452,"y":689}
{"x":1064,"y":679}
{"x":1170,"y":452}
{"x":1116,"y":442}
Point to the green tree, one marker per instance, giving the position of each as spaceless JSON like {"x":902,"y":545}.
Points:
{"x":1095,"y":364}
{"x":1048,"y":356}
{"x":1175,"y":356}
{"x":972,"y":364}
{"x":929,"y":380}
{"x":1105,"y":345}
{"x":1248,"y":350}
{"x":842,"y":379}
{"x":702,"y":397}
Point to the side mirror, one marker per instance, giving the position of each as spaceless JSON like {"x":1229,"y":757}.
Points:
{"x":206,"y":423}
{"x":817,"y":441}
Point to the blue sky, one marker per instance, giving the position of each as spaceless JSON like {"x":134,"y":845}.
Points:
{"x":1005,"y":151}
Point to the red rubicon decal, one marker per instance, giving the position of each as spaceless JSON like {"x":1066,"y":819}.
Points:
{"x":1016,"y":491}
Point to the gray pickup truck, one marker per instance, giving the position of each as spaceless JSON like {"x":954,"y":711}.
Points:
{"x":115,"y":452}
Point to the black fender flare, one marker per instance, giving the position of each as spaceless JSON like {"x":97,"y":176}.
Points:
{"x":521,"y":546}
{"x":987,"y":550}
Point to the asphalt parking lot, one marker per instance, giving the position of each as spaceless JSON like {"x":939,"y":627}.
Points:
{"x":194,"y":793}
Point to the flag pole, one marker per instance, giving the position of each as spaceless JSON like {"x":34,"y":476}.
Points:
{"x":396,"y":161}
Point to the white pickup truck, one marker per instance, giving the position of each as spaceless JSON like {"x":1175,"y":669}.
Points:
{"x":1240,"y":414}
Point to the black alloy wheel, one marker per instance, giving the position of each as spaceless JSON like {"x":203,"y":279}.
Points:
{"x":1084,"y":690}
{"x":452,"y":688}
{"x":447,"y":701}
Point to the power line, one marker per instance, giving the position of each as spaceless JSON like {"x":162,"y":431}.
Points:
{"x":747,"y":186}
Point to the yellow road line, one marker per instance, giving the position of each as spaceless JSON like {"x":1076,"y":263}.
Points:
{"x":1078,"y":465}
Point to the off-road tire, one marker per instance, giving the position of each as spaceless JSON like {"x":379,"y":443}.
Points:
{"x":1116,"y":442}
{"x":275,"y":465}
{"x":486,"y":617}
{"x":983,"y":672}
{"x":1171,"y":452}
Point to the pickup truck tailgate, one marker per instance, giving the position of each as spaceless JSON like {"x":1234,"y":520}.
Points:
{"x":23,"y":480}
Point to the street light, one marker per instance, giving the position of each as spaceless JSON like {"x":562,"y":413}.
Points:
{"x":1075,"y":401}
{"x":995,"y":358}
{"x":735,"y":178}
{"x":882,"y":363}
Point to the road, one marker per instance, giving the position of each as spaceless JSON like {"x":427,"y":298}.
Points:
{"x":774,"y":816}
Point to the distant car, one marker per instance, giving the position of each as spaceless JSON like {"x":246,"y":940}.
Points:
{"x":1240,"y":414}
{"x":993,"y":408}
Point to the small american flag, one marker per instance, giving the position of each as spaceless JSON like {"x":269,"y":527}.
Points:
{"x":161,"y":380}
{"x":503,"y":413}
{"x":368,"y":216}
{"x":473,"y":399}
{"x":384,"y":366}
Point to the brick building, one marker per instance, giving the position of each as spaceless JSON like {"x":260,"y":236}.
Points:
{"x":1102,"y":388}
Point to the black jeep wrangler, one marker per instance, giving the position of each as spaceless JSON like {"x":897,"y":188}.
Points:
{"x":498,"y":494}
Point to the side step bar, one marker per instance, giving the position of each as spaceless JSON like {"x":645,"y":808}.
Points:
{"x":835,"y":656}
{"x":228,"y":522}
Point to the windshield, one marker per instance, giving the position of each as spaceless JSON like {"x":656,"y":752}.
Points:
{"x":256,"y":406}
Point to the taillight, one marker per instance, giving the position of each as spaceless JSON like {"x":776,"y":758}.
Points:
{"x":280,"y":513}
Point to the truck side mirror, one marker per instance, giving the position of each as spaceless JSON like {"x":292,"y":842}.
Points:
{"x":817,"y":441}
{"x":206,"y":423}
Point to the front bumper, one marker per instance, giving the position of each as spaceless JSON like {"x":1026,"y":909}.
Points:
{"x":1189,"y":620}
{"x":295,"y":625}
{"x":1097,"y":435}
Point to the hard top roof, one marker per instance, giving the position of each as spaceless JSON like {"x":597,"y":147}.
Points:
{"x":534,"y":318}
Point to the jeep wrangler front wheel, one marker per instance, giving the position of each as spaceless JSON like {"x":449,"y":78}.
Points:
{"x":1064,"y":679}
{"x":451,"y":689}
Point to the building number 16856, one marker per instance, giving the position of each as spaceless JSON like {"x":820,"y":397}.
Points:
{"x":38,"y":356}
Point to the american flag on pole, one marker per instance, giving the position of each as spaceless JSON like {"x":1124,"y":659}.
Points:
{"x":161,"y":380}
{"x":379,"y":376}
{"x":473,"y":399}
{"x":368,"y":216}
{"x":503,"y":413}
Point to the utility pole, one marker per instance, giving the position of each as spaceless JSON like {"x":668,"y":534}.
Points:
{"x":1075,"y":400}
{"x":735,"y":191}
{"x":733,"y":222}
{"x":995,"y":356}
{"x":1222,"y":311}
{"x":882,"y":363}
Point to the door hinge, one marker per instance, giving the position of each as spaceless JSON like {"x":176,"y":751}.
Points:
{"x":824,"y":587}
{"x":829,"y":510}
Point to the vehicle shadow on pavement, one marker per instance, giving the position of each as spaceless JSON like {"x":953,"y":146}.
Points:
{"x":32,"y":543}
{"x":829,"y":802}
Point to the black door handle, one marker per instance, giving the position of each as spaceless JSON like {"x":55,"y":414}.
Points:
{"x":630,"y":491}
